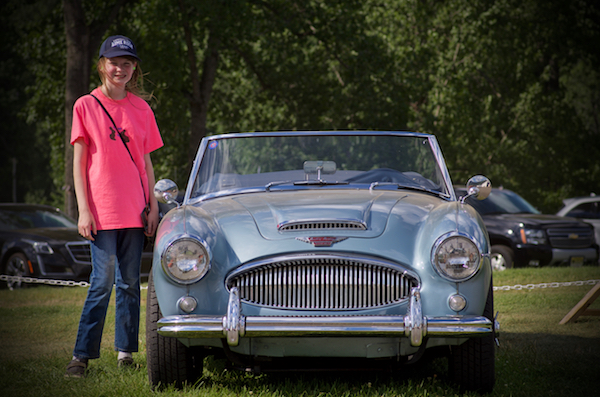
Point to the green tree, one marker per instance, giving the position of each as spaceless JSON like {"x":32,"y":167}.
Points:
{"x":509,"y":87}
{"x":495,"y":96}
{"x":264,"y":65}
{"x":18,"y":162}
{"x":32,"y":69}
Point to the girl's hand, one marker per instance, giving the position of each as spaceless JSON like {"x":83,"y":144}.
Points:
{"x":152,"y":220}
{"x":86,"y":225}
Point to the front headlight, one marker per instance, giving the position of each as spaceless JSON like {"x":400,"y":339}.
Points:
{"x":40,"y":247}
{"x":533,"y":236}
{"x":186,"y":260}
{"x":456,"y":257}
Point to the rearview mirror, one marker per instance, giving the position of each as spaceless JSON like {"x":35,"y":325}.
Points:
{"x":320,"y":168}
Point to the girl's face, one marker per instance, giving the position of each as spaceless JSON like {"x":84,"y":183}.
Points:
{"x":119,"y":70}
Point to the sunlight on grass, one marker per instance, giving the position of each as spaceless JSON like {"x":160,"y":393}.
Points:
{"x":524,"y":276}
{"x":537,"y":356}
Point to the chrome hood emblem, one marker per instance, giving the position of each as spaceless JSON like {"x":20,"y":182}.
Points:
{"x":323,"y":241}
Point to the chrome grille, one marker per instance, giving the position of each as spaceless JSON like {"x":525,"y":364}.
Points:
{"x":322,"y":225}
{"x":570,"y":237}
{"x":322,"y":283}
{"x":80,"y":252}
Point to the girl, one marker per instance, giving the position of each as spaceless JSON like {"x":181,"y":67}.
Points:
{"x":113,"y":133}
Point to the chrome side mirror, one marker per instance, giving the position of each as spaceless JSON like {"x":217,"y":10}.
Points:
{"x":166,"y":192}
{"x":479,"y":187}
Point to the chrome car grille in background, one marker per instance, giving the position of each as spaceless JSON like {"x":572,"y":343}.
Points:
{"x":80,"y":252}
{"x":322,"y":225}
{"x":322,"y":283}
{"x":570,"y":237}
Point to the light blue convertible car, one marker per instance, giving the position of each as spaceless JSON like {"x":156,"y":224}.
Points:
{"x":320,"y":250}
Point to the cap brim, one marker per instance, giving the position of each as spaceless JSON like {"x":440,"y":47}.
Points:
{"x":119,"y":53}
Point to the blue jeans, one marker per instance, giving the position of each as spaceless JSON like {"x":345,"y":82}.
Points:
{"x":116,"y":259}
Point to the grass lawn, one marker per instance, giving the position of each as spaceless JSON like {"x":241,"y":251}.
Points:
{"x":537,"y":356}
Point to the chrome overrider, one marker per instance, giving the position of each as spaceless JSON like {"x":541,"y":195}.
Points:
{"x":234,"y":325}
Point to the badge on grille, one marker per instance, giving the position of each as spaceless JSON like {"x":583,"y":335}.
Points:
{"x":324,"y":241}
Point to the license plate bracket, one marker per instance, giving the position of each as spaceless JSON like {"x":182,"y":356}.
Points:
{"x":577,"y":261}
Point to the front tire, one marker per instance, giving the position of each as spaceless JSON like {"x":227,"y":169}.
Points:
{"x":502,"y":258}
{"x":472,"y":365}
{"x":169,"y":361}
{"x":17,"y":265}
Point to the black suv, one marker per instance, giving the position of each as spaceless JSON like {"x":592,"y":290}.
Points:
{"x":521,"y":236}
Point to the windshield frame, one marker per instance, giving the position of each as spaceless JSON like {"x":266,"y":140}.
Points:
{"x":449,"y":193}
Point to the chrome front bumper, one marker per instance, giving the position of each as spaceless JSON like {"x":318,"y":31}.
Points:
{"x":413,"y":325}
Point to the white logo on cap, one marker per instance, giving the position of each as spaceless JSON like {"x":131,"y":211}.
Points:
{"x":122,"y":43}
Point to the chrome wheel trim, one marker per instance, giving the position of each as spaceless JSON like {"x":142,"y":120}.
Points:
{"x":16,"y":266}
{"x":498,"y":262}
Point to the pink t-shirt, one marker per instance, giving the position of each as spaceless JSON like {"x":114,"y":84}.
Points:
{"x":115,"y":193}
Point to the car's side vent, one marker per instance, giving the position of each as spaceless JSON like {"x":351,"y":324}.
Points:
{"x":80,"y":252}
{"x":298,"y":226}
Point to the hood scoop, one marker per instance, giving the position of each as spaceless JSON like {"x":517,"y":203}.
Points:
{"x":281,"y":216}
{"x":321,"y":225}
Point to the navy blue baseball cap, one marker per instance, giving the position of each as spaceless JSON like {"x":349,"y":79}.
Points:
{"x":118,"y":46}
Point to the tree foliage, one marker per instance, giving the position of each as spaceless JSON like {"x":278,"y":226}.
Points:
{"x":510,"y":87}
{"x":497,"y":86}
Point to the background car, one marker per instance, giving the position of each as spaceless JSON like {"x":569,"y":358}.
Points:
{"x":320,"y":250}
{"x":521,"y":236}
{"x":585,"y":208}
{"x":42,"y":242}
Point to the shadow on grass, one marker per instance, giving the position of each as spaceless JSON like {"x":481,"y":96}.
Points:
{"x":426,"y":378}
{"x":539,"y":364}
{"x":526,"y":365}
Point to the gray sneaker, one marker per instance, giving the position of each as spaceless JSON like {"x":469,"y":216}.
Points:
{"x":125,"y":362}
{"x":76,"y":369}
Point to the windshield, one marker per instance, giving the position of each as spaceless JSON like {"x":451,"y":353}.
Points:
{"x":33,"y":218}
{"x":312,"y":161}
{"x":502,"y":202}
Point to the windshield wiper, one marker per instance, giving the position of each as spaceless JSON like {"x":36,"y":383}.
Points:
{"x":504,"y":212}
{"x":318,"y":182}
{"x":271,"y":184}
{"x":401,"y":186}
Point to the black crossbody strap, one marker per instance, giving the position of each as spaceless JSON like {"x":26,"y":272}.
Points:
{"x":122,"y":140}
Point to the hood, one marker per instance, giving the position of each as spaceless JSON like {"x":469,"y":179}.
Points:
{"x":52,"y":235}
{"x":539,"y":220}
{"x":395,"y":224}
{"x":365,"y":214}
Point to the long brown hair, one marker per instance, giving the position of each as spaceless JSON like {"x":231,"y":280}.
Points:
{"x":135,"y":85}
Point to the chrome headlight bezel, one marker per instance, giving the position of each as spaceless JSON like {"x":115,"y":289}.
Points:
{"x":469,"y":260}
{"x":191,"y":264}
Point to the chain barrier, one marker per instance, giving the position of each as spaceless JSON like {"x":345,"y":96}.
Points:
{"x":517,"y":287}
{"x":31,"y":280}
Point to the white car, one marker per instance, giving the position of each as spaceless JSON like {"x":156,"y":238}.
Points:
{"x":586,"y":208}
